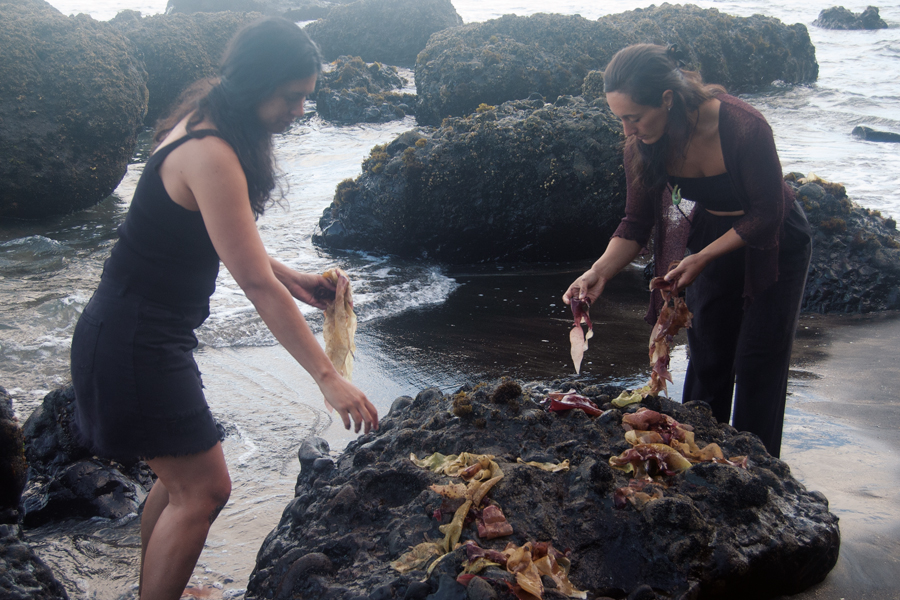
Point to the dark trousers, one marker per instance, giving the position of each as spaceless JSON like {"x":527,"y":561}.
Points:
{"x":739,"y":351}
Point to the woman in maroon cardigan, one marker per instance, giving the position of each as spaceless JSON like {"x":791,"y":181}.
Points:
{"x":701,"y":167}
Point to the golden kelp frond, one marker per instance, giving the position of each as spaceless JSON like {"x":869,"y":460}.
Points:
{"x":339,"y":328}
{"x":417,"y":557}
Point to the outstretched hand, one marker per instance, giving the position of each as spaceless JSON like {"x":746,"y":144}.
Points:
{"x":350,"y":403}
{"x":312,"y":289}
{"x":588,"y":286}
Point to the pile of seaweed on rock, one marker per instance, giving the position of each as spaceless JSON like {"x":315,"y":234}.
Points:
{"x":488,"y":493}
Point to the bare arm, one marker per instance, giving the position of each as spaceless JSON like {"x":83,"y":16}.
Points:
{"x":213,"y":174}
{"x":619,"y":254}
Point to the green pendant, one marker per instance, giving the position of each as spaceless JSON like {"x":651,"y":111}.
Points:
{"x":676,"y":195}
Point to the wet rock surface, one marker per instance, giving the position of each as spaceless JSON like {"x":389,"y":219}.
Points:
{"x":72,"y":98}
{"x":65,"y":481}
{"x":353,"y":92}
{"x":716,"y":531}
{"x":178,"y":50}
{"x":387,"y":31}
{"x":855,"y":264}
{"x":23,"y":575}
{"x":838,"y":17}
{"x":521,"y":181}
{"x":511,"y":57}
{"x":873,"y":135}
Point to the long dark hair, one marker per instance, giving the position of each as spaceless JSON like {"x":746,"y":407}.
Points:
{"x":262,"y":56}
{"x":644,"y":72}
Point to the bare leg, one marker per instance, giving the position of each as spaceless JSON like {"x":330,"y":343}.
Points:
{"x":198,"y":487}
{"x":156,"y":501}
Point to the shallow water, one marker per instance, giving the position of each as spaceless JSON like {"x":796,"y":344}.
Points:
{"x":423,"y":325}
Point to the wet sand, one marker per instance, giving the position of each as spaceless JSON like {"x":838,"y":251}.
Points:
{"x":841,"y":426}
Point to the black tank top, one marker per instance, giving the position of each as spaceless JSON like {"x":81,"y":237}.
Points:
{"x":164,"y":252}
{"x":712,"y":193}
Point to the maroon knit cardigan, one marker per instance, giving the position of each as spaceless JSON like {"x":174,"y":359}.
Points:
{"x":751,"y":161}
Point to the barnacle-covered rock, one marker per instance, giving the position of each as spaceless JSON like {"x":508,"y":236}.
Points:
{"x":524,"y":181}
{"x":388,"y":31}
{"x":72,"y":98}
{"x":511,"y":57}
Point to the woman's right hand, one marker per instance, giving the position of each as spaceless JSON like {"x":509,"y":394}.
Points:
{"x":349,"y":402}
{"x":589,"y":286}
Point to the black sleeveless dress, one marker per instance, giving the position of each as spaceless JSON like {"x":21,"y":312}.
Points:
{"x":138,"y":389}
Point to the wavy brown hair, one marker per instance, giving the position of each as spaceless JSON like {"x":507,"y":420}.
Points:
{"x":644,"y":72}
{"x":261,"y":57}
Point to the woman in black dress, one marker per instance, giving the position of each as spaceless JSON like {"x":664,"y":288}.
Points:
{"x":139,"y":392}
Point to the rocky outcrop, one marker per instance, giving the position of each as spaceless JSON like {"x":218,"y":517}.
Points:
{"x":511,"y":57}
{"x":838,"y":17}
{"x":714,"y":530}
{"x":387,"y":31}
{"x":65,"y":481}
{"x":296,"y":10}
{"x":352,"y":91}
{"x":855,"y":264}
{"x":178,"y":50}
{"x":23,"y":575}
{"x":524,"y":181}
{"x":873,"y":135}
{"x":72,"y":98}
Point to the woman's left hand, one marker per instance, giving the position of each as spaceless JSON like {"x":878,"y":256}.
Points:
{"x":310,"y":288}
{"x":686,"y":271}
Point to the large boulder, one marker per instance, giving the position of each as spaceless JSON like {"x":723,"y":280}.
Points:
{"x":178,"y":50}
{"x":351,"y":91}
{"x":838,"y":17}
{"x":855,"y":264}
{"x":738,"y":530}
{"x":511,"y":57}
{"x":72,"y":98}
{"x":524,"y":181}
{"x":873,"y":135}
{"x":388,"y":31}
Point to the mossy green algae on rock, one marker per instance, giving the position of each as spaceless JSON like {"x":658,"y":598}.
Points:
{"x":512,"y":56}
{"x":523,"y":181}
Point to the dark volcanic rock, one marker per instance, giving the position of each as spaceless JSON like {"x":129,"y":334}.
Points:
{"x":180,"y":49}
{"x":873,"y":135}
{"x":353,"y":92}
{"x":718,"y":531}
{"x":388,"y":31}
{"x":72,"y":98}
{"x":511,"y":57}
{"x":523,"y":181}
{"x":65,"y":481}
{"x":838,"y":17}
{"x":856,"y":252}
{"x":13,"y":468}
{"x":23,"y":576}
{"x":296,"y":10}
